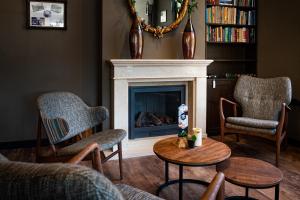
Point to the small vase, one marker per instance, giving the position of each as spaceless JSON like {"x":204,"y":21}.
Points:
{"x":191,"y":144}
{"x":136,"y":40}
{"x":189,"y":40}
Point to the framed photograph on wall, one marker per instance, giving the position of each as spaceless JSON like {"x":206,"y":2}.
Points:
{"x":46,"y":14}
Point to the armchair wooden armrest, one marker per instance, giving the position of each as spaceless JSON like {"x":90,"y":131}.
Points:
{"x":94,"y":150}
{"x":215,"y":189}
{"x":222,"y":117}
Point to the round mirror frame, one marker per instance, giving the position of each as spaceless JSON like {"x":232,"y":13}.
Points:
{"x":160,"y":31}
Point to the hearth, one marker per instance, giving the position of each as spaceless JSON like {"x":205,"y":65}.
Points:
{"x":153,"y":110}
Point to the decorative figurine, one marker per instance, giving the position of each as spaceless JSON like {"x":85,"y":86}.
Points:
{"x":183,"y":125}
{"x":183,"y":117}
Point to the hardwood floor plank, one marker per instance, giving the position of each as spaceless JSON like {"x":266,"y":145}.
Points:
{"x":147,"y":173}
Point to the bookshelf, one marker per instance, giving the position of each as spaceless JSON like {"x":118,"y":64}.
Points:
{"x":231,"y":29}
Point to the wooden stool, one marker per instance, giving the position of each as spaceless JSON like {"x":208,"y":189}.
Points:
{"x":251,"y":173}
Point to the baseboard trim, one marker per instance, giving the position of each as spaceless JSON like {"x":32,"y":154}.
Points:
{"x":21,"y":144}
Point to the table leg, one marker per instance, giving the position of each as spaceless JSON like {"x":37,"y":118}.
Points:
{"x":180,"y":181}
{"x":277,"y":192}
{"x":166,"y":172}
{"x":247,"y":192}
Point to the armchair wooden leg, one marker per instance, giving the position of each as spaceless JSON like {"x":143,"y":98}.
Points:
{"x":222,"y":135}
{"x":120,"y":160}
{"x":277,"y":152}
{"x":96,"y":161}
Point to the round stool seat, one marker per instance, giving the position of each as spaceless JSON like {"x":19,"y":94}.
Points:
{"x":251,"y":173}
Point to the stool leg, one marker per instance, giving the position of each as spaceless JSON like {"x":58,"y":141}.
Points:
{"x":166,"y":171}
{"x":247,"y":192}
{"x":180,"y":181}
{"x":277,"y":192}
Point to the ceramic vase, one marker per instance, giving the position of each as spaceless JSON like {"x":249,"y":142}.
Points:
{"x":136,"y":40}
{"x":189,"y":40}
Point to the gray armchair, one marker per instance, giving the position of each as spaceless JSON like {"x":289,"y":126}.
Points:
{"x":64,"y":116}
{"x":19,"y":180}
{"x":263,"y":103}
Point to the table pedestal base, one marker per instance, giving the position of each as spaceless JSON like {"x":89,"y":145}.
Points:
{"x":180,"y":180}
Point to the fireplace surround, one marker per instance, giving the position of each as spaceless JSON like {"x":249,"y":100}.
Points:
{"x":128,"y":73}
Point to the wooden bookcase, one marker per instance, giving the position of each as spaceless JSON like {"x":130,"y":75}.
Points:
{"x":231,"y":43}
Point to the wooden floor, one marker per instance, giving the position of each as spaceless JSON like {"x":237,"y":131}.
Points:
{"x":147,"y":174}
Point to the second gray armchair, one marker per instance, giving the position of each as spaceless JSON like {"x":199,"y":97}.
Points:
{"x":64,"y":116}
{"x":264,"y":105}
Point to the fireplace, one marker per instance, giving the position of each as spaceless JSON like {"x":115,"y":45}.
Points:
{"x":153,"y":110}
{"x":127,"y":73}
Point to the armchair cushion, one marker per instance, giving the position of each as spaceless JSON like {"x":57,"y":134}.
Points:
{"x":250,"y":129}
{"x":54,"y":181}
{"x":131,"y":193}
{"x":254,"y":123}
{"x":106,"y":139}
{"x":262,"y":98}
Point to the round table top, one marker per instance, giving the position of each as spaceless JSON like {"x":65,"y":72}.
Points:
{"x":250,"y":172}
{"x":210,"y":153}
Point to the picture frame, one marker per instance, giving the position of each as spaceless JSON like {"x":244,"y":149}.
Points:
{"x":46,"y":14}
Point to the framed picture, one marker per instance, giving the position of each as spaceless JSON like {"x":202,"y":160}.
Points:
{"x":46,"y":14}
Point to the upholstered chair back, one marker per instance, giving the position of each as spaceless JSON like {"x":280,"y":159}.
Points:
{"x":65,"y":115}
{"x":19,"y":180}
{"x":262,"y":98}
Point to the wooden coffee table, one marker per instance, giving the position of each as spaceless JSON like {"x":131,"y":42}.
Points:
{"x":211,"y":152}
{"x":251,"y":173}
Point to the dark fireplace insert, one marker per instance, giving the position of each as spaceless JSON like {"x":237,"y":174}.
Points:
{"x":153,"y":110}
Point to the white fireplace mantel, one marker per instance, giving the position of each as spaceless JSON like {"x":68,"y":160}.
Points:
{"x":127,"y":72}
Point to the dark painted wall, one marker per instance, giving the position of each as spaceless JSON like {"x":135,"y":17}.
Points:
{"x":116,"y":25}
{"x":279,"y":41}
{"x":279,"y":48}
{"x":36,"y":61}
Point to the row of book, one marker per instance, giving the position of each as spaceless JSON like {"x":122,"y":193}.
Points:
{"x":243,"y":3}
{"x":230,"y":34}
{"x":246,"y":3}
{"x":228,"y":15}
{"x":246,"y":17}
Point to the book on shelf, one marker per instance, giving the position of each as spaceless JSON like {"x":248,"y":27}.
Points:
{"x":225,"y":2}
{"x":241,"y":3}
{"x":244,"y":3}
{"x":230,"y":35}
{"x":229,"y":15}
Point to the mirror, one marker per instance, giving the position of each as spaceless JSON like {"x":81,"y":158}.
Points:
{"x":159,"y":16}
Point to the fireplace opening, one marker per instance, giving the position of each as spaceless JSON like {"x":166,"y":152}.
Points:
{"x":153,"y":110}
